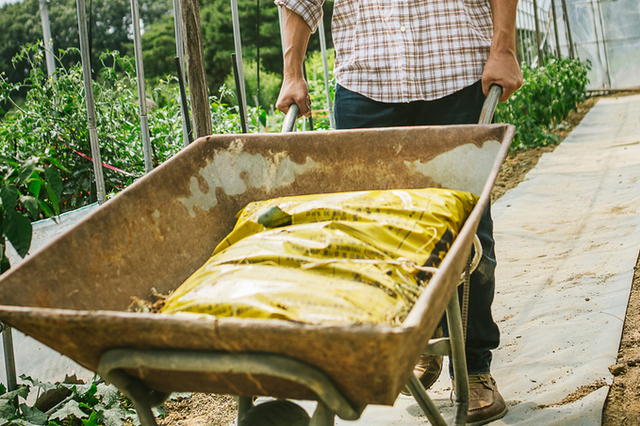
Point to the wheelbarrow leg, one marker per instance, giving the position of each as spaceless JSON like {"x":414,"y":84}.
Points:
{"x":453,"y":346}
{"x":459,"y":360}
{"x":245,"y":403}
{"x":323,"y":416}
{"x":426,"y":404}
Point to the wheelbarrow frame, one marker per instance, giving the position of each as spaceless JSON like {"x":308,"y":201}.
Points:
{"x":143,"y":238}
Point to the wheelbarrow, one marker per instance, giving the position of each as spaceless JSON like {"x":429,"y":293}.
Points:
{"x":73,"y":294}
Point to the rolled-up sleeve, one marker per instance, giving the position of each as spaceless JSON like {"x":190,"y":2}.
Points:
{"x":309,"y":10}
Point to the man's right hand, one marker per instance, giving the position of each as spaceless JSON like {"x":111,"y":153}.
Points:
{"x":294,"y":91}
{"x":294,"y":87}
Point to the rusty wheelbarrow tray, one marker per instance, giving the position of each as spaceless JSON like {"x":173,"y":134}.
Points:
{"x":73,"y":294}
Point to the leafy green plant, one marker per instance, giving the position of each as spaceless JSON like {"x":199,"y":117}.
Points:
{"x":29,"y":190}
{"x":546,"y":97}
{"x":69,"y":404}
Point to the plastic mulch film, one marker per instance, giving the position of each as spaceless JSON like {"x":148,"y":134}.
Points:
{"x":358,"y":257}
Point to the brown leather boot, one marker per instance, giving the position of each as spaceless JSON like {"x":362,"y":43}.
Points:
{"x":428,"y":368}
{"x":485,"y":402}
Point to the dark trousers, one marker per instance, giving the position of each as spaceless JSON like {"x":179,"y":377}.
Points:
{"x":463,"y":107}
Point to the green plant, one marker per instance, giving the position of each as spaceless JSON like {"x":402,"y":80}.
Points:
{"x":70,"y":404}
{"x":29,"y":190}
{"x":546,"y":97}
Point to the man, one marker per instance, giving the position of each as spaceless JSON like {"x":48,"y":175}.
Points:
{"x":418,"y":62}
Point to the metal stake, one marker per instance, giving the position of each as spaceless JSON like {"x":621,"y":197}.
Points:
{"x":91,"y":109}
{"x":142,"y":96}
{"x":572,"y":54}
{"x":325,"y":67}
{"x":238,"y":46}
{"x":9,"y":359}
{"x":184,"y":106}
{"x":48,"y":40}
{"x":555,"y":28}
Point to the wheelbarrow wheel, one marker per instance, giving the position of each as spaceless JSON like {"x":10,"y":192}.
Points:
{"x":275,"y":413}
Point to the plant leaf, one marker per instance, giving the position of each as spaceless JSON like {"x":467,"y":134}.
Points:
{"x":26,"y":170}
{"x":113,"y":416}
{"x":33,"y":415}
{"x":7,"y":410}
{"x":71,"y":408}
{"x":9,"y":196}
{"x":31,"y":205}
{"x":17,"y":229}
{"x":45,"y":386}
{"x":108,"y":394}
{"x":21,"y":391}
{"x":52,"y":176}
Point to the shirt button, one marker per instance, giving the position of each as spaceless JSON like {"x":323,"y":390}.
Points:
{"x":402,"y":28}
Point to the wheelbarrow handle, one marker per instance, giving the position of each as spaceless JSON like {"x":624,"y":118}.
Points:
{"x":490,"y":104}
{"x":290,"y":119}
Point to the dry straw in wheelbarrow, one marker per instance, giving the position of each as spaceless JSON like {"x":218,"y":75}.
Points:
{"x":358,"y":257}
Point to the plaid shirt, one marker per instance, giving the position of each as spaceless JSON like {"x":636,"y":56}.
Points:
{"x":405,"y":50}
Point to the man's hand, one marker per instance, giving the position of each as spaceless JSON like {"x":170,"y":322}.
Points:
{"x":502,"y":66}
{"x":503,"y":69}
{"x":294,"y":91}
{"x":294,"y":88}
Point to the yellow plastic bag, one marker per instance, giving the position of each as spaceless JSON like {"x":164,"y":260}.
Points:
{"x":355,"y":257}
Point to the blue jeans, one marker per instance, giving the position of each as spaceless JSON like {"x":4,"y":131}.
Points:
{"x":463,"y":107}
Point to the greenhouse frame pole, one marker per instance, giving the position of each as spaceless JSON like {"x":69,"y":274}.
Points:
{"x":177,"y":23}
{"x":325,"y":67}
{"x":91,"y":108}
{"x":9,"y":359}
{"x":48,"y":40}
{"x":565,"y":12}
{"x":537,"y":27}
{"x":142,"y":95}
{"x":555,"y":28}
{"x":238,"y":46}
{"x":196,"y":72}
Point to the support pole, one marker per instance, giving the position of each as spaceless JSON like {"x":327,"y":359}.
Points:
{"x":325,"y":68}
{"x":184,"y":107}
{"x":48,"y":40}
{"x":537,"y":27}
{"x":572,"y":54}
{"x":555,"y":28}
{"x":242,"y":95}
{"x":194,"y":56}
{"x":142,"y":95}
{"x":91,"y":109}
{"x":9,"y":359}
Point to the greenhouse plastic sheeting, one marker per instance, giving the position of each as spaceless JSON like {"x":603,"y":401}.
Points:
{"x":607,"y":33}
{"x":32,"y":357}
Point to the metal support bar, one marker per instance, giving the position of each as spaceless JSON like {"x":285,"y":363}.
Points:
{"x":9,"y":359}
{"x":48,"y":40}
{"x":537,"y":27}
{"x":239,"y":90}
{"x":114,"y":361}
{"x":325,"y":68}
{"x":459,"y":360}
{"x":245,"y":403}
{"x":238,"y":47}
{"x":555,"y":28}
{"x":91,"y":108}
{"x":323,"y":416}
{"x":187,"y":137}
{"x":187,"y":133}
{"x":426,"y":404}
{"x":142,"y":96}
{"x":565,"y":13}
